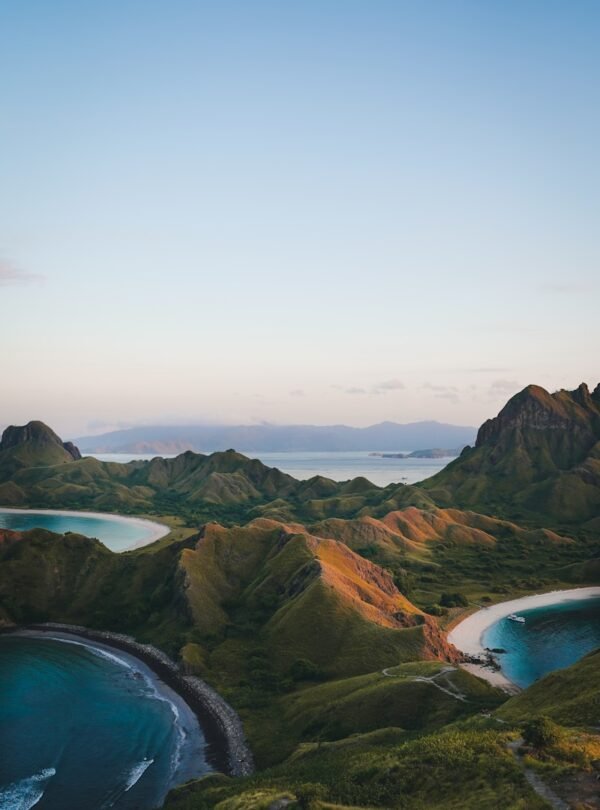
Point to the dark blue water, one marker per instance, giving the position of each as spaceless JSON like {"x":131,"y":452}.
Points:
{"x":85,"y":730}
{"x":551,"y":638}
{"x":117,"y":534}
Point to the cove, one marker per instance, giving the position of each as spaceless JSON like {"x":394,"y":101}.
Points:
{"x":116,"y":532}
{"x":553,"y":637}
{"x":84,"y":726}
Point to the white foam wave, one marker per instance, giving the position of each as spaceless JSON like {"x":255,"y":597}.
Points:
{"x":137,"y":772}
{"x":26,"y":793}
{"x":99,"y":651}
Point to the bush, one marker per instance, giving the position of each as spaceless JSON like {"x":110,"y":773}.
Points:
{"x":304,"y":670}
{"x":435,"y":610}
{"x":454,"y":600}
{"x":541,"y":732}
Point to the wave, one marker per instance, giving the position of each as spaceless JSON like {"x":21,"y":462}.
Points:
{"x":99,"y":651}
{"x":26,"y":793}
{"x":137,"y":772}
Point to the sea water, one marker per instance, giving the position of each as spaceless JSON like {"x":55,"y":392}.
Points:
{"x":116,"y":534}
{"x":552,"y":637}
{"x":339,"y":466}
{"x":88,"y":729}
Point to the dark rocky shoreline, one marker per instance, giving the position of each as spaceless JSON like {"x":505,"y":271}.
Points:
{"x":228,"y":750}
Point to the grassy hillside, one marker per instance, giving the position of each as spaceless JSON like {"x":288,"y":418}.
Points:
{"x":38,"y":470}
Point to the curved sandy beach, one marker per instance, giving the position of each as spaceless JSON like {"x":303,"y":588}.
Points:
{"x":154,"y":530}
{"x":467,"y":635}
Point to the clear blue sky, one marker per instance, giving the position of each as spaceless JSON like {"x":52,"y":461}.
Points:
{"x":298,"y":212}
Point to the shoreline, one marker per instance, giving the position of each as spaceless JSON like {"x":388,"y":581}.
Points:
{"x":467,"y":635}
{"x":226,"y":748}
{"x":193,"y":761}
{"x":156,"y":530}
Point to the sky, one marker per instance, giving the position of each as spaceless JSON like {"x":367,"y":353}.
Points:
{"x":320,"y":212}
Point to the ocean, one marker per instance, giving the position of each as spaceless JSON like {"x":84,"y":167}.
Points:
{"x":117,"y":534}
{"x":89,"y":728}
{"x":552,"y":638}
{"x":338,"y":466}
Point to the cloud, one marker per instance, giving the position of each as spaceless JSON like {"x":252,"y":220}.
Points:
{"x":488,"y":370}
{"x":504,"y":388}
{"x":505,"y":385}
{"x":9,"y":274}
{"x":297,"y":392}
{"x":441,"y":389}
{"x":451,"y":396}
{"x":448,"y":392}
{"x":388,"y":385}
{"x":378,"y":388}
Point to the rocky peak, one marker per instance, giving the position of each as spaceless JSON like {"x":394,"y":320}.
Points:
{"x":38,"y":436}
{"x":534,"y":409}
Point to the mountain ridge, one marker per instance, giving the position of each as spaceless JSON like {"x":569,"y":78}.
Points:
{"x":279,"y":438}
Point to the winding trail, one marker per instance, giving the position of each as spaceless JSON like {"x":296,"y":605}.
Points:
{"x":540,"y":787}
{"x":450,"y":688}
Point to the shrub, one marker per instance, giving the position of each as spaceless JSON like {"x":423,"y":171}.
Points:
{"x":541,"y":732}
{"x":304,"y":670}
{"x":454,"y":600}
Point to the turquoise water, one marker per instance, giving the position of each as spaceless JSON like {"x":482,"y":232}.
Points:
{"x":117,"y":535}
{"x":85,"y":730}
{"x":338,"y":466}
{"x":551,"y":638}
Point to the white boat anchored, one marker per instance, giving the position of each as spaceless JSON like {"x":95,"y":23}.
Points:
{"x":514,"y":618}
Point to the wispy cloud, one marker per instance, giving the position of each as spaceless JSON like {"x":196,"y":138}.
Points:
{"x":504,"y":388}
{"x":9,"y":274}
{"x":388,"y":385}
{"x":488,"y":370}
{"x":297,"y":392}
{"x":447,"y":392}
{"x":374,"y":390}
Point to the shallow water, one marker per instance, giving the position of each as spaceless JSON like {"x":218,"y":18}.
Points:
{"x":117,"y":535}
{"x":88,"y":729}
{"x":552,"y":638}
{"x":338,"y":466}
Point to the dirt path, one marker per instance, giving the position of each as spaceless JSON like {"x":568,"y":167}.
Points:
{"x":449,"y":689}
{"x":540,"y":787}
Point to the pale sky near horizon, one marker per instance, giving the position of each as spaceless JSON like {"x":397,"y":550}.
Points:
{"x":316,"y":212}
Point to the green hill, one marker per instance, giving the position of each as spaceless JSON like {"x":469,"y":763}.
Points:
{"x":38,"y":470}
{"x":538,"y":460}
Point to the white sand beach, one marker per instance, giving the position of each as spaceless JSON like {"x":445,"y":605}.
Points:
{"x":467,"y":635}
{"x":154,"y":531}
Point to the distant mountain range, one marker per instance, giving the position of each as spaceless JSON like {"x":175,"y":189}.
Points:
{"x":167,"y":439}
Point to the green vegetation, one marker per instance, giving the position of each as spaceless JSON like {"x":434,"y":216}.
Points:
{"x":568,"y":696}
{"x":317,"y":608}
{"x":537,"y":462}
{"x":465,"y":767}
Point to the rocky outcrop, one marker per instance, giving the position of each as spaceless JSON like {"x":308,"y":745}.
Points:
{"x":538,"y":459}
{"x":534,"y":409}
{"x":34,"y":445}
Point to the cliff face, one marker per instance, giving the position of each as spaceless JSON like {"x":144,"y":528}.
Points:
{"x":567,"y":423}
{"x":539,"y":456}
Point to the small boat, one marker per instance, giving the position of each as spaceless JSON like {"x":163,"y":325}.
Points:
{"x":514,"y":618}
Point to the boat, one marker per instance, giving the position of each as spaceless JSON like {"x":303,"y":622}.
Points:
{"x":514,"y":618}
